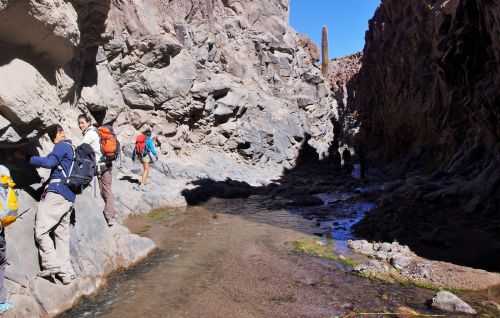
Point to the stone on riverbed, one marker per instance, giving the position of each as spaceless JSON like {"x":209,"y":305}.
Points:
{"x":381,"y":251}
{"x":447,"y":301}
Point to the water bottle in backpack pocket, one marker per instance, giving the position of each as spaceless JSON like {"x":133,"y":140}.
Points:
{"x":82,"y":170}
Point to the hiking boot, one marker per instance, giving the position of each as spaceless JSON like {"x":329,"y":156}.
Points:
{"x":4,"y":307}
{"x":66,"y":279}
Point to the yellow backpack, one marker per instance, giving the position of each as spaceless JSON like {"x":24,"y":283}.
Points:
{"x":9,"y":203}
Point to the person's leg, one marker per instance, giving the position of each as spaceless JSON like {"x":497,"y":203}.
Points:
{"x":49,"y":213}
{"x":4,"y":304}
{"x":61,"y":237}
{"x":145,"y":175}
{"x":105,"y":184}
{"x":3,"y":264}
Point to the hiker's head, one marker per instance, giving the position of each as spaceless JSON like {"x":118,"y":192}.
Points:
{"x":5,"y":178}
{"x":147,"y":132}
{"x":83,"y":122}
{"x":56,"y":134}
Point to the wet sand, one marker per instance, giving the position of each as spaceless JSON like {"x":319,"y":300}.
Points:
{"x":223,"y":265}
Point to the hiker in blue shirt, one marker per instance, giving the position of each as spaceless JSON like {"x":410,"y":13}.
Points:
{"x":54,"y":211}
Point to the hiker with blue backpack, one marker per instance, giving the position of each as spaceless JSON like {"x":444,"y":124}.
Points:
{"x":145,"y":151}
{"x":71,"y":171}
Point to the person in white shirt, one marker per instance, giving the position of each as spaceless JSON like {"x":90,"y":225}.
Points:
{"x":104,"y":168}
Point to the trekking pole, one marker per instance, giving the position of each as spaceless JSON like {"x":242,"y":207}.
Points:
{"x":120,"y":157}
{"x":23,"y":213}
{"x":95,"y":187}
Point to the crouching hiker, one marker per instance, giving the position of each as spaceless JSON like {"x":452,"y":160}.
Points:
{"x":8,"y":215}
{"x":54,"y":211}
{"x":106,"y":147}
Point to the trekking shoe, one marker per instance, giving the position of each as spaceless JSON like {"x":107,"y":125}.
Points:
{"x":4,"y":307}
{"x":66,"y":279}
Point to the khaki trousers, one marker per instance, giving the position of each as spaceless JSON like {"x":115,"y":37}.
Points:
{"x":53,"y":217}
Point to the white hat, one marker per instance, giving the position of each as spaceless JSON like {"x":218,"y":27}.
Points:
{"x":4,"y":171}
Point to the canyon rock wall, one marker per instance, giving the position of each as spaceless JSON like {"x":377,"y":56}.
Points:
{"x":342,"y":75}
{"x":429,"y":102}
{"x":231,"y":91}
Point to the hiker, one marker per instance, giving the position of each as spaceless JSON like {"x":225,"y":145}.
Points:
{"x":8,"y":207}
{"x":145,"y":150}
{"x":347,"y":158}
{"x":96,"y":138}
{"x":54,"y":210}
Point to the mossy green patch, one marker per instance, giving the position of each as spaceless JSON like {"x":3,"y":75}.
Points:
{"x":160,"y":215}
{"x":322,"y":250}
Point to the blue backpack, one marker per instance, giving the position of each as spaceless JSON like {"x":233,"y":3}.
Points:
{"x":83,"y":169}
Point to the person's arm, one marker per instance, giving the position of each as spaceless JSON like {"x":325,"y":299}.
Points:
{"x":51,"y":161}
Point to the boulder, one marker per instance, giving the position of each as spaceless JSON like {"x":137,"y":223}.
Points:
{"x":172,"y":81}
{"x":104,"y":96}
{"x":27,"y":99}
{"x":49,"y":27}
{"x":449,"y":302}
{"x":96,"y":250}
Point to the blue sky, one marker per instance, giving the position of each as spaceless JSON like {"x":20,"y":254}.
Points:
{"x":347,"y":21}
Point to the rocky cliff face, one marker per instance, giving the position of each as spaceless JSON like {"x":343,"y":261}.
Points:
{"x":428,"y":96}
{"x":227,"y":86}
{"x":342,"y":76}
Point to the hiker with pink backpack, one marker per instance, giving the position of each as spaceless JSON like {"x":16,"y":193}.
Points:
{"x":145,"y":151}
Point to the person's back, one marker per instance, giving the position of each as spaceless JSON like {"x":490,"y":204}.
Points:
{"x":59,"y":161}
{"x":91,"y":137}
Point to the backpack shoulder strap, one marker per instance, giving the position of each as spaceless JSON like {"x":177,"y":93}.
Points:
{"x":73,"y":149}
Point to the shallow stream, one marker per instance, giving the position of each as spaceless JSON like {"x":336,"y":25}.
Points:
{"x":226,"y":259}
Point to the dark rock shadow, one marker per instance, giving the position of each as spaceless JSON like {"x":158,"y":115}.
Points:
{"x":291,"y":183}
{"x":130,"y":179}
{"x":24,"y":175}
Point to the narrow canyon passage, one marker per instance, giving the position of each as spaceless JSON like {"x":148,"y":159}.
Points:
{"x":257,"y":130}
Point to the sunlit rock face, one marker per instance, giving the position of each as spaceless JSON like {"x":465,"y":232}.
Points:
{"x":229,"y":89}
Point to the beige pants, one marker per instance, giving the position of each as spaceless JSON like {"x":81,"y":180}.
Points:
{"x":53,"y":217}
